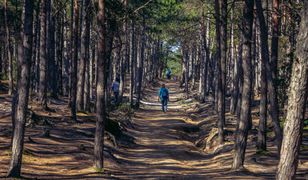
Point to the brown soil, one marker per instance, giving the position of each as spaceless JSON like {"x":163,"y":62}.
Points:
{"x":165,"y":145}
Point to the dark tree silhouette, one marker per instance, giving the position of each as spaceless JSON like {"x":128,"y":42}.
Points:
{"x":22,"y":92}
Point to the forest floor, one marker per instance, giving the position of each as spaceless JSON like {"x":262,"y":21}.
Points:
{"x":179,"y":144}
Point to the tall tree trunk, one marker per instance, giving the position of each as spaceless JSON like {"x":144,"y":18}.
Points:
{"x":74,"y":63}
{"x":141,"y":62}
{"x":22,"y":92}
{"x":242,"y":133}
{"x":35,"y":53}
{"x":43,"y":55}
{"x":220,"y":73}
{"x":101,"y":87}
{"x":125,"y":59}
{"x":234,"y":65}
{"x":59,"y":51}
{"x":132,"y":64}
{"x":261,"y":144}
{"x":223,"y":51}
{"x":84,"y":56}
{"x":296,"y":105}
{"x":8,"y":50}
{"x":240,"y":78}
{"x":272,"y":71}
{"x":52,"y":67}
{"x":275,"y":37}
{"x":71,"y":52}
{"x":185,"y":69}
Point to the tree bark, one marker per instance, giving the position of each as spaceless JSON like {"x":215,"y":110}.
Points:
{"x":101,"y":87}
{"x":296,"y":105}
{"x":84,"y":56}
{"x":74,"y":62}
{"x":242,"y":133}
{"x":234,"y":68}
{"x":220,"y":75}
{"x":141,"y":62}
{"x":52,"y":67}
{"x":43,"y":56}
{"x":132,"y":64}
{"x":8,"y":50}
{"x":261,"y":144}
{"x":22,"y":92}
{"x":223,"y":51}
{"x":272,"y":75}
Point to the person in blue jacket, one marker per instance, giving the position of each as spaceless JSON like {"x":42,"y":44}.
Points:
{"x":116,"y":89}
{"x":163,"y":97}
{"x":168,"y":73}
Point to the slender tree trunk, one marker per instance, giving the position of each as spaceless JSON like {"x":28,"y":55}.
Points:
{"x":208,"y":56}
{"x":59,"y":51}
{"x":234,"y":69}
{"x":35,"y":53}
{"x":52,"y":67}
{"x":141,"y":62}
{"x":22,"y":92}
{"x":71,"y":53}
{"x":84,"y":58}
{"x":8,"y":50}
{"x":43,"y":56}
{"x":185,"y":69}
{"x":223,"y":51}
{"x":240,"y":79}
{"x":132,"y":64}
{"x":220,"y":77}
{"x":296,"y":105}
{"x":101,"y":87}
{"x":236,"y":78}
{"x":125,"y":59}
{"x":272,"y":69}
{"x":275,"y":37}
{"x":242,"y":133}
{"x":261,"y":144}
{"x":74,"y":63}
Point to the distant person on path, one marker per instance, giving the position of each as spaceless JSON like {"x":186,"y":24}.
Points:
{"x":116,"y":88}
{"x":163,"y":97}
{"x":168,"y":73}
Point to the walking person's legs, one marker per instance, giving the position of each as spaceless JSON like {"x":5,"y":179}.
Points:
{"x":162,"y":105}
{"x":116,"y":97}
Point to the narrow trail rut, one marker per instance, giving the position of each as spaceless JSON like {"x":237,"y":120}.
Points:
{"x":165,"y":146}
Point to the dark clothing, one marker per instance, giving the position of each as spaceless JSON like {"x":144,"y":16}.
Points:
{"x":116,"y":88}
{"x":116,"y":97}
{"x":164,"y":97}
{"x":164,"y":103}
{"x":168,"y":73}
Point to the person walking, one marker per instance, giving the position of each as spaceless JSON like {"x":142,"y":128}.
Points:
{"x":168,"y":73}
{"x":163,"y":97}
{"x":116,"y":88}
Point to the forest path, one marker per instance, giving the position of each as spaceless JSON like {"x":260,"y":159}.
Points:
{"x":165,"y":143}
{"x":163,"y":147}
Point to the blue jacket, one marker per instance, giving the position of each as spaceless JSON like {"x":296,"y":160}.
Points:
{"x":162,"y":91}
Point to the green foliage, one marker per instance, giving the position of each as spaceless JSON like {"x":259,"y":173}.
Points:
{"x":126,"y":108}
{"x":263,"y":152}
{"x":98,"y":170}
{"x":306,"y":124}
{"x":174,"y":63}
